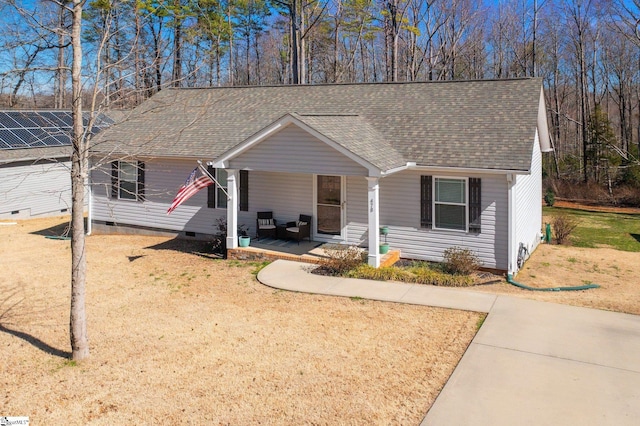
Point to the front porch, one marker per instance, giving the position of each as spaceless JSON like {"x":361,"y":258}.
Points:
{"x":312,"y":252}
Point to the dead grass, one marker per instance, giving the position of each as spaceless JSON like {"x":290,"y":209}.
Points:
{"x":178,"y":338}
{"x":617,"y":272}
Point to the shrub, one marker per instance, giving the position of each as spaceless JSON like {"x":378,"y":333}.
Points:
{"x":549,"y":197}
{"x":563,"y":225}
{"x":389,"y":273}
{"x":415,"y":274}
{"x":461,"y":261}
{"x":438,"y":278}
{"x":218,"y":243}
{"x":341,"y":259}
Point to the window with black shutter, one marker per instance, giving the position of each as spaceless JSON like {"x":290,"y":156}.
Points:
{"x":140,"y":194}
{"x":127,"y":180}
{"x":426,"y":201}
{"x":211,"y":190}
{"x":216,"y":196}
{"x":244,"y":190}
{"x":114,"y":179}
{"x":451,"y":203}
{"x":475,"y":204}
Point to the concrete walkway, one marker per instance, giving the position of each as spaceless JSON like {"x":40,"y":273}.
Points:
{"x":531,"y":363}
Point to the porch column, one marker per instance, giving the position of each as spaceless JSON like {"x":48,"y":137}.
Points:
{"x":373,"y":202}
{"x":232,"y":209}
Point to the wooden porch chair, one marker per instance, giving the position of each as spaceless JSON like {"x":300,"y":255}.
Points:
{"x":299,"y":229}
{"x":265,"y":225}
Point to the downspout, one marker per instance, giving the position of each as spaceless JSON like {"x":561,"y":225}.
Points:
{"x":511,"y":222}
{"x":90,"y":203}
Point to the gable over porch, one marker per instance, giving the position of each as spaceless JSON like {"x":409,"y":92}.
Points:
{"x":296,"y":153}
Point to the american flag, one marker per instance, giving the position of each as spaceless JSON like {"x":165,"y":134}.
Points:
{"x":190,"y":187}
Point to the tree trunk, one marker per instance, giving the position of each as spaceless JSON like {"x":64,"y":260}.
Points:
{"x":61,"y":73}
{"x":177,"y":46}
{"x":79,"y":167}
{"x":295,"y":70}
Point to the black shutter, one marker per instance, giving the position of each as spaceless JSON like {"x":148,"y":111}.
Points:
{"x":140,"y":182}
{"x":475,"y":204}
{"x":244,"y":190}
{"x":114,"y":179}
{"x":426,"y":201}
{"x":211,"y":190}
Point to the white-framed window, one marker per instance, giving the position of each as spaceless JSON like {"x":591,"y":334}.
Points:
{"x":127,"y":180}
{"x":221,"y":197}
{"x":450,"y":203}
{"x":216,"y":198}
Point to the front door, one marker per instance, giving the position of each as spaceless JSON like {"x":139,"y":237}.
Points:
{"x":329,"y":198}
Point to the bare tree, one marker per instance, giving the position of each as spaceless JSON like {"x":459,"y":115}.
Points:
{"x":79,"y":175}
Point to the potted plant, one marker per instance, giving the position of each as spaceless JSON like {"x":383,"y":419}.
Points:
{"x":384,"y":247}
{"x":243,"y":240}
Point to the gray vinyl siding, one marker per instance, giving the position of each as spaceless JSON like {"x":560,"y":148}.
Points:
{"x":163,"y":178}
{"x":28,"y":190}
{"x":528,"y":202}
{"x":357,"y":216}
{"x":400,"y":211}
{"x":287,"y":195}
{"x":293,"y":150}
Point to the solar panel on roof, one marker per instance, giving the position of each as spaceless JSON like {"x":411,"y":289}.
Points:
{"x":22,"y":118}
{"x":63,"y":139}
{"x":11,"y":139}
{"x":38,"y":134}
{"x":42,"y":121}
{"x":52,"y":141}
{"x":8,"y":122}
{"x":27,"y":129}
{"x":56,"y":119}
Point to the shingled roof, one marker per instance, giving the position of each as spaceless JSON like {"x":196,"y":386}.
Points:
{"x":484,"y":124}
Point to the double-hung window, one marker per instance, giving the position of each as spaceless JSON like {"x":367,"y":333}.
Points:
{"x":127,"y":180}
{"x":450,"y":203}
{"x":216,"y":198}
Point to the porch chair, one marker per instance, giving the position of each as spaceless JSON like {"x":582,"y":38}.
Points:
{"x":265,"y":225}
{"x":299,"y":229}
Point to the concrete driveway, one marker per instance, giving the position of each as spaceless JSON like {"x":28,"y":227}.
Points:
{"x":531,"y":363}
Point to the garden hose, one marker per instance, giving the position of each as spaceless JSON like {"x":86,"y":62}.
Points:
{"x":526,"y":287}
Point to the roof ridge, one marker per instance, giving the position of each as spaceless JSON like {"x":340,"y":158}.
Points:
{"x":371,"y":83}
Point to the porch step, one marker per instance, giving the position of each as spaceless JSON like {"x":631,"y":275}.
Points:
{"x":253,"y":253}
{"x":390,"y":258}
{"x":259,"y":254}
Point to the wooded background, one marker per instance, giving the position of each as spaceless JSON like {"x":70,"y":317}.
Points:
{"x":586,"y":52}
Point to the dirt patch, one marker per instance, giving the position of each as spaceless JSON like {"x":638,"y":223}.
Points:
{"x":595,"y":207}
{"x":617,"y":273}
{"x":181,"y":338}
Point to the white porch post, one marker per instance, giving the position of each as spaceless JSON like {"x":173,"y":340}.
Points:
{"x":232,"y":209}
{"x":373,"y":201}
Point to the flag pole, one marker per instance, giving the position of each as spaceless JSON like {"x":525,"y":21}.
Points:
{"x":206,"y":172}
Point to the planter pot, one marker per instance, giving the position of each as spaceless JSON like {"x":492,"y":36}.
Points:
{"x":384,"y":230}
{"x":244,"y":241}
{"x":384,"y":248}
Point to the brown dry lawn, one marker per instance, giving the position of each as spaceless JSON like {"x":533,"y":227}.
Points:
{"x":178,"y":338}
{"x":617,"y":272}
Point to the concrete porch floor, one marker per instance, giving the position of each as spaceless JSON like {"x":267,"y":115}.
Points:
{"x":307,"y":251}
